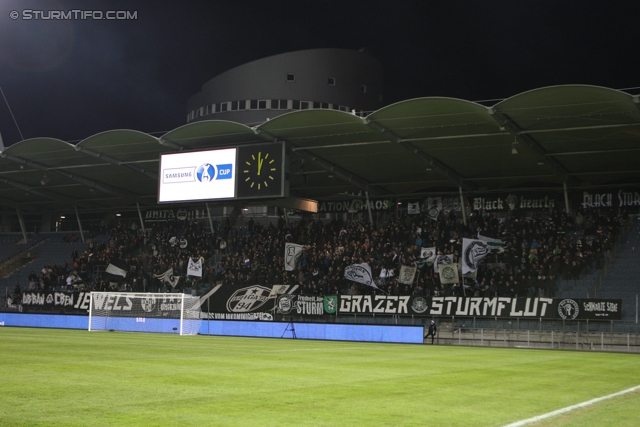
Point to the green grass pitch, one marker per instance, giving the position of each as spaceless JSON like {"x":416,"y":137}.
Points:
{"x":78,"y":378}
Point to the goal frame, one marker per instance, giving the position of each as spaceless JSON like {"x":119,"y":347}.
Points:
{"x":180,"y":296}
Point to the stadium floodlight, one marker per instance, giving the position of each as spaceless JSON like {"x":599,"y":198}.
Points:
{"x":144,"y":312}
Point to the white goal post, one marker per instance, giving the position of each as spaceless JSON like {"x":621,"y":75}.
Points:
{"x":144,"y":312}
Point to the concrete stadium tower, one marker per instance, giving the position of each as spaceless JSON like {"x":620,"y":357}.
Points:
{"x":260,"y":90}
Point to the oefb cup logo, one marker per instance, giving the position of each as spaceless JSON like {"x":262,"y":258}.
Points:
{"x":206,"y":173}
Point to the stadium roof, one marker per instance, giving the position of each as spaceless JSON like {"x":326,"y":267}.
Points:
{"x":586,"y":136}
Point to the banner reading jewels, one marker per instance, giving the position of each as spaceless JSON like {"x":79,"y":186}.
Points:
{"x":534,"y":308}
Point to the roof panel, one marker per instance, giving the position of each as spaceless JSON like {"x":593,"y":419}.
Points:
{"x":570,"y":106}
{"x":316,"y":124}
{"x":211,"y":133}
{"x":435,"y":117}
{"x":125,"y":145}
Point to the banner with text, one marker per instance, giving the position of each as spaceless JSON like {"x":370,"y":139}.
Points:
{"x":48,"y":301}
{"x":533,"y":308}
{"x":301,"y":305}
{"x":354,"y":205}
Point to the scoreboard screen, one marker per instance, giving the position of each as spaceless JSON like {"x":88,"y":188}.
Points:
{"x":246,"y":172}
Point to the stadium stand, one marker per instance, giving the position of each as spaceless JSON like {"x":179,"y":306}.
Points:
{"x":544,"y":256}
{"x":621,"y":279}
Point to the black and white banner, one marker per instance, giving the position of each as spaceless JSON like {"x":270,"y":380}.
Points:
{"x":503,"y":307}
{"x":592,"y":309}
{"x":429,"y":254}
{"x":413,"y":208}
{"x":434,"y":207}
{"x":614,"y":198}
{"x":194,"y":268}
{"x":354,"y":205}
{"x":301,"y":305}
{"x":407,"y":274}
{"x":512,"y":201}
{"x":449,"y":273}
{"x":169,"y":214}
{"x":67,"y":301}
{"x":248,"y":303}
{"x":256,"y":303}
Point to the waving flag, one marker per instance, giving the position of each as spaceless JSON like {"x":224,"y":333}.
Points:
{"x":291,"y":254}
{"x":168,"y":278}
{"x":474,"y":251}
{"x":360,"y":273}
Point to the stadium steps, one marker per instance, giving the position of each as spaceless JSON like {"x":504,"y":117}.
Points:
{"x":581,"y":288}
{"x":622,"y":279}
{"x":51,"y":251}
{"x":23,"y":258}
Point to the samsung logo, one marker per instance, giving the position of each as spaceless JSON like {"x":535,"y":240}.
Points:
{"x":172,"y":176}
{"x":178,"y":175}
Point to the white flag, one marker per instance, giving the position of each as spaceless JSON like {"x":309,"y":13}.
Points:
{"x":117,"y":268}
{"x":360,"y":273}
{"x":168,"y":278}
{"x":194,"y":268}
{"x":442,"y":259}
{"x":413,"y":208}
{"x":473,"y":251}
{"x":429,"y":254}
{"x":407,"y":274}
{"x":448,"y":273}
{"x":496,"y":244}
{"x":291,"y":254}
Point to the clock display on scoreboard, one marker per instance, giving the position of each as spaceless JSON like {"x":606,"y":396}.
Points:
{"x":260,"y":171}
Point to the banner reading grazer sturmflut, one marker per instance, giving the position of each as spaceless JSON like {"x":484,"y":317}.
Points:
{"x":533,"y":308}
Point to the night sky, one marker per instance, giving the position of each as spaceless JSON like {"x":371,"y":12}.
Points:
{"x":70,"y":79}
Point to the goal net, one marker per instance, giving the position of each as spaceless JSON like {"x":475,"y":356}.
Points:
{"x":165,"y":313}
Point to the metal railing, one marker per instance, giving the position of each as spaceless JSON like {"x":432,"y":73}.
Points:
{"x":536,"y":339}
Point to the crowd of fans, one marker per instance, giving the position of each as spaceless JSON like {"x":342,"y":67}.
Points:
{"x":539,"y":250}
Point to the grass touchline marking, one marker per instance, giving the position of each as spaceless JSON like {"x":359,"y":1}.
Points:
{"x":571,"y":408}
